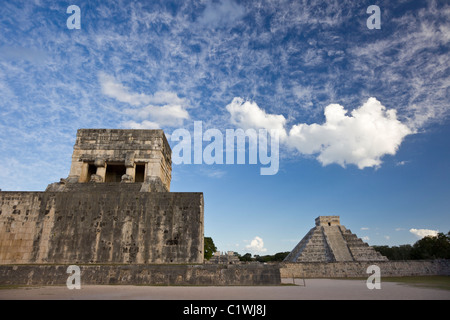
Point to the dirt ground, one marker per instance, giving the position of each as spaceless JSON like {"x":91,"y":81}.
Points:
{"x":314,"y":289}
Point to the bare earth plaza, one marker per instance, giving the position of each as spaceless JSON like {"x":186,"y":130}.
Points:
{"x":114,"y":221}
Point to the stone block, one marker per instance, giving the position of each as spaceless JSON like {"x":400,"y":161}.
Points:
{"x":167,"y":275}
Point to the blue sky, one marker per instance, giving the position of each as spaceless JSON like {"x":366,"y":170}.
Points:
{"x":363,"y":113}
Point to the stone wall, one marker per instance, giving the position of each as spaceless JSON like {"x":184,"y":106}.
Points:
{"x":202,"y":275}
{"x":358,"y":269}
{"x":106,"y":224}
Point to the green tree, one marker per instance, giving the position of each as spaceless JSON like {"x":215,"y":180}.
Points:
{"x":209,"y":247}
{"x":402,"y":252}
{"x":272,"y":258}
{"x":246,"y":257}
{"x":432,"y":247}
{"x":268,"y":258}
{"x":280,"y":256}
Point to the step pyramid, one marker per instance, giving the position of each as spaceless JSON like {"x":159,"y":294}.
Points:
{"x":329,"y":241}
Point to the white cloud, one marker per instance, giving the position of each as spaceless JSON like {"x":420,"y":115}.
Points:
{"x":365,"y":238}
{"x":421,"y":233}
{"x":247,"y":114}
{"x":164,"y":108}
{"x":143,"y":125}
{"x":167,"y":97}
{"x":364,"y":228}
{"x":361,"y":138}
{"x":118,"y":91}
{"x":166,"y":115}
{"x":304,"y":95}
{"x":256,"y":245}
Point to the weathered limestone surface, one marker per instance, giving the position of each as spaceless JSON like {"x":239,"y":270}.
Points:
{"x":202,"y":275}
{"x":313,"y":247}
{"x":118,"y":155}
{"x":337,"y":243}
{"x":227,"y":258}
{"x":115,"y":224}
{"x":329,"y":241}
{"x":114,"y":207}
{"x":359,"y":269}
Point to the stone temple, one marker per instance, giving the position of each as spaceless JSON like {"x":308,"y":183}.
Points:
{"x":142,"y":157}
{"x":114,"y":207}
{"x":329,"y":241}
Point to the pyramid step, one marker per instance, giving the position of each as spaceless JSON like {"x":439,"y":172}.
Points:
{"x":329,"y":241}
{"x":337,"y":243}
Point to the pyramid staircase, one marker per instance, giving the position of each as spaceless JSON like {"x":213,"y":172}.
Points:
{"x":329,"y":241}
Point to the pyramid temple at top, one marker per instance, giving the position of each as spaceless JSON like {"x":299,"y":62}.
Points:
{"x":329,"y":241}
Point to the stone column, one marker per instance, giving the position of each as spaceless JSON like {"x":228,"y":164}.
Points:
{"x":101,"y":171}
{"x":84,"y":173}
{"x":154,"y":168}
{"x":75,"y":168}
{"x":130,"y":174}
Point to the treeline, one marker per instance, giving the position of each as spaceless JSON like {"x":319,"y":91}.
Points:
{"x":277,"y":257}
{"x":210,"y":248}
{"x":426,"y":248}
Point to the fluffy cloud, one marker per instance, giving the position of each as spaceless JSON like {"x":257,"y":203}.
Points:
{"x":161,"y":109}
{"x":421,"y":233}
{"x":361,"y":138}
{"x":118,"y":91}
{"x":256,"y":245}
{"x":143,"y":125}
{"x":166,"y":115}
{"x":247,"y":114}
